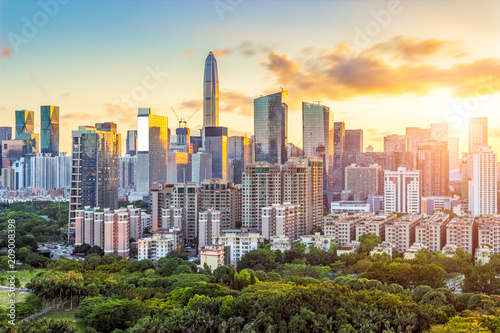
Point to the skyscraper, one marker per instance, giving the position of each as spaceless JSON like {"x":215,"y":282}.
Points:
{"x":317,"y":140}
{"x":433,"y":159}
{"x":478,"y":133}
{"x":261,"y":188}
{"x":25,"y":126}
{"x":238,"y":148}
{"x":49,"y":134}
{"x":152,"y":149}
{"x":402,"y":191}
{"x":483,"y":185}
{"x":201,"y":165}
{"x":271,"y":128}
{"x":215,"y":143}
{"x":131,"y":142}
{"x":338,"y":159}
{"x":94,"y":174}
{"x":394,"y":143}
{"x":353,"y":141}
{"x":5,"y":134}
{"x":211,"y":93}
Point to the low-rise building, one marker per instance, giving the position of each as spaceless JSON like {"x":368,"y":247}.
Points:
{"x":374,"y":225}
{"x":432,"y":231}
{"x":488,"y":232}
{"x":159,"y":245}
{"x":348,"y":248}
{"x":412,"y":252}
{"x":322,"y":242}
{"x":384,"y":247}
{"x":212,"y":255}
{"x":449,"y":250}
{"x":349,"y":206}
{"x":401,"y":231}
{"x":281,"y":243}
{"x":238,"y":243}
{"x":462,"y":232}
{"x":483,"y":255}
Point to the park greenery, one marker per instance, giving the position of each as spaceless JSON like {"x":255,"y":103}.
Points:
{"x":299,"y":290}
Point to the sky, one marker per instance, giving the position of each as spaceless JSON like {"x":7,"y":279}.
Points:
{"x":380,"y":66}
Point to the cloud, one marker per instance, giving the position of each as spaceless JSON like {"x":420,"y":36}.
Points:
{"x":494,"y":132}
{"x":66,"y":94}
{"x":38,"y":83}
{"x":342,"y":73}
{"x":7,"y":52}
{"x":192,"y":104}
{"x":188,"y":53}
{"x":412,"y":49}
{"x":247,"y":48}
{"x":236,"y":102}
{"x":373,"y":132}
{"x":120,"y":114}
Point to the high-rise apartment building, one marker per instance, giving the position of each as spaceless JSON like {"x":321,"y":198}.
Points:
{"x":402,"y":191}
{"x":211,"y":92}
{"x":395,"y":143}
{"x":50,"y":171}
{"x":281,"y":219}
{"x":238,"y":152}
{"x":49,"y":133}
{"x":317,"y":140}
{"x":152,"y":149}
{"x":478,"y":133}
{"x":221,"y":196}
{"x":433,"y":160}
{"x":131,"y":148}
{"x":209,"y":226}
{"x":462,"y":232}
{"x":261,"y":188}
{"x":483,"y":184}
{"x":107,"y":228}
{"x":363,"y":181}
{"x":271,"y":128}
{"x":401,"y":231}
{"x":431,"y":232}
{"x":187,"y":196}
{"x":94,"y":170}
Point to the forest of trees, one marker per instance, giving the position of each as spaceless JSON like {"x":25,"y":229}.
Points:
{"x":300,"y":290}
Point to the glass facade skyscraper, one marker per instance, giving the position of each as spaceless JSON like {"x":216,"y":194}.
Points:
{"x":238,"y":148}
{"x":95,"y":169}
{"x":49,"y":133}
{"x":215,"y":143}
{"x":152,"y":149}
{"x":25,"y":126}
{"x":271,"y":128}
{"x":211,"y":93}
{"x":317,"y":138}
{"x":132,"y":142}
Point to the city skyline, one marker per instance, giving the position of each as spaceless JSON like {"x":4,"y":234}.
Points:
{"x":259,"y":62}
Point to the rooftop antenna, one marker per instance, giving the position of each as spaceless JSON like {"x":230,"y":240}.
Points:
{"x":317,"y":102}
{"x":282,"y":89}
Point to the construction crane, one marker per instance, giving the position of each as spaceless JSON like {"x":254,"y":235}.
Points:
{"x":182,"y":121}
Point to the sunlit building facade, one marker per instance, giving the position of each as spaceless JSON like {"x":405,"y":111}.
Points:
{"x":271,"y":128}
{"x":49,"y":133}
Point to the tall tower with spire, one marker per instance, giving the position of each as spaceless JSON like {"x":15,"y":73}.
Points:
{"x":211,"y":93}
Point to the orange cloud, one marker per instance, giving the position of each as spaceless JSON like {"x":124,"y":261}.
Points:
{"x":229,"y":101}
{"x":7,"y":52}
{"x":343,"y":74}
{"x":188,"y":53}
{"x":247,"y":48}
